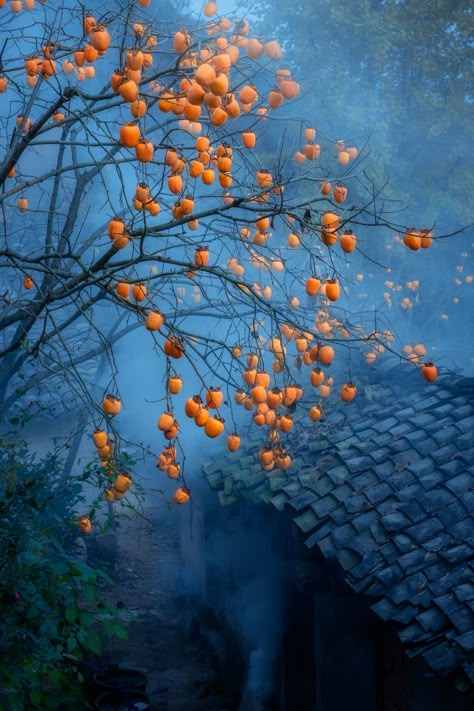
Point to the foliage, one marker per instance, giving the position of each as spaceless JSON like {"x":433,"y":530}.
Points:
{"x":53,"y":612}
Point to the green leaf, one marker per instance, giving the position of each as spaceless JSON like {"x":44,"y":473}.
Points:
{"x":55,"y":677}
{"x":108,"y":628}
{"x":71,"y":644}
{"x":36,"y":697}
{"x":104,"y":576}
{"x":89,"y":592}
{"x":120,"y":631}
{"x":71,"y":614}
{"x":85,"y":619}
{"x":93,"y":642}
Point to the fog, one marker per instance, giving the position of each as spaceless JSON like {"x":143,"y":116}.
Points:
{"x":415,"y":165}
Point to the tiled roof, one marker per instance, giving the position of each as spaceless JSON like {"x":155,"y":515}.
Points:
{"x":385,"y":488}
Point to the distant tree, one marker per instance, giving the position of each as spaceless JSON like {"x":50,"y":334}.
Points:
{"x":401,"y":70}
{"x":135,"y":194}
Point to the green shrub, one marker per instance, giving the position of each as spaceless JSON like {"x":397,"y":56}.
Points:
{"x":52,"y":611}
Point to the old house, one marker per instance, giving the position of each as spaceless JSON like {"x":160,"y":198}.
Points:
{"x":373,"y":531}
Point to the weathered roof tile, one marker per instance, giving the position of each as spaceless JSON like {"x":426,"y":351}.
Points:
{"x":403,"y":542}
{"x":364,"y":520}
{"x":384,"y":609}
{"x":378,"y":493}
{"x":395,"y":521}
{"x":385,"y":424}
{"x":466,"y":640}
{"x":384,"y":469}
{"x":372,"y":561}
{"x":457,"y":553}
{"x":390,"y":576}
{"x":463,"y":619}
{"x":460,"y":484}
{"x":436,"y":499}
{"x":432,"y":620}
{"x":406,"y":588}
{"x":425,"y":529}
{"x":443,"y":455}
{"x":324,"y":506}
{"x":359,"y":464}
{"x":466,"y":424}
{"x":355,"y":504}
{"x":465,"y":591}
{"x":338,"y":474}
{"x":415,"y":559}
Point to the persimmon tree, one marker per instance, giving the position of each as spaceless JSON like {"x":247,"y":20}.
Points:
{"x":154,"y":178}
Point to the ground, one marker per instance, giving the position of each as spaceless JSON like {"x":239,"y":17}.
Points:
{"x":181,"y":672}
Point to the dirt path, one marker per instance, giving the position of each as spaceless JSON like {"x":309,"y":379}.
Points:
{"x":181,"y":674}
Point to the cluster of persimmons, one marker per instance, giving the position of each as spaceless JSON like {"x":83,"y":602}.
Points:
{"x":207,"y":87}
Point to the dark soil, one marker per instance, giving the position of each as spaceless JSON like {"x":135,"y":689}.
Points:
{"x":181,"y":672}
